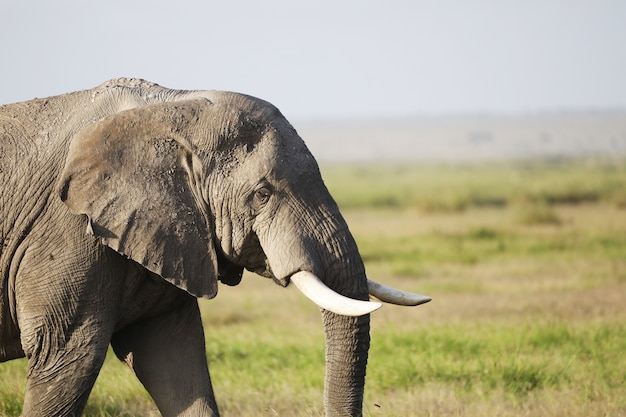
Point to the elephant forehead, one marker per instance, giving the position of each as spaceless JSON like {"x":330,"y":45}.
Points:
{"x":278,"y":156}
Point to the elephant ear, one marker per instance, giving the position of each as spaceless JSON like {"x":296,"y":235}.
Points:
{"x":135,"y":177}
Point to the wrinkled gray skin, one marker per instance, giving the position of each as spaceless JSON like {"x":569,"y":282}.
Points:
{"x":109,"y":196}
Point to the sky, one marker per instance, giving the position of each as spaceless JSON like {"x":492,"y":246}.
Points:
{"x":329,"y":59}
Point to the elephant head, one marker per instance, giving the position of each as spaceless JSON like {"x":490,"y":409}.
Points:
{"x":197,"y":190}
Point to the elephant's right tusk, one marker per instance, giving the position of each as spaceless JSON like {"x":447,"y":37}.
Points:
{"x":312,"y":287}
{"x":394,"y":296}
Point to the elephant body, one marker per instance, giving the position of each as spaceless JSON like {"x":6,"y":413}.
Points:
{"x":122,"y":204}
{"x":63,"y":295}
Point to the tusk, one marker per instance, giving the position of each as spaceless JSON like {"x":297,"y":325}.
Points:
{"x":394,"y":296}
{"x":311,"y":286}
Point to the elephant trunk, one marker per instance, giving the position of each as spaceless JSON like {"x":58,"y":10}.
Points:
{"x":321,"y":245}
{"x":347,"y":337}
{"x":347,"y":345}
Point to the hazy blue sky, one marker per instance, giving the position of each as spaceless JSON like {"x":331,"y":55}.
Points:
{"x":319,"y":59}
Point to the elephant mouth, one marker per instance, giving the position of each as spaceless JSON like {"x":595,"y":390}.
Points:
{"x":265,"y":270}
{"x":231,"y":265}
{"x":231,"y":273}
{"x":228,"y":272}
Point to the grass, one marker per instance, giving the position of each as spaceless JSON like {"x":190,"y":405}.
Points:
{"x":526,"y":266}
{"x":455,"y":188}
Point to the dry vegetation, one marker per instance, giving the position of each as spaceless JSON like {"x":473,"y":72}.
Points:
{"x":527,"y":269}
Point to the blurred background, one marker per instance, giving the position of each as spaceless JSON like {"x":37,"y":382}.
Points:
{"x":331,"y":60}
{"x":477,"y":150}
{"x":360,"y":80}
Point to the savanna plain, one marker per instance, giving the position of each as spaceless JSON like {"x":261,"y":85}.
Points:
{"x":526,"y":264}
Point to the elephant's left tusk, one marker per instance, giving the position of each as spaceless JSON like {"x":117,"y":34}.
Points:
{"x":312,"y":287}
{"x":394,"y":296}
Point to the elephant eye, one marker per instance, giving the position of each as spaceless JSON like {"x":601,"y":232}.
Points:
{"x":261,"y":196}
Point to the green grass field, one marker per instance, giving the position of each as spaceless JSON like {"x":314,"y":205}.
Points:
{"x":526,"y":264}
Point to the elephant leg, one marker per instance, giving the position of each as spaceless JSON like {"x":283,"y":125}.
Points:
{"x":61,"y":373}
{"x":66,"y":320}
{"x":167,"y":353}
{"x":65,"y":344}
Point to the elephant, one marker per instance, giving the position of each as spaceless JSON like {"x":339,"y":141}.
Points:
{"x":123,"y":204}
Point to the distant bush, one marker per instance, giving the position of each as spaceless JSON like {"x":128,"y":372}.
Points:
{"x":537,"y":214}
{"x":441,"y":188}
